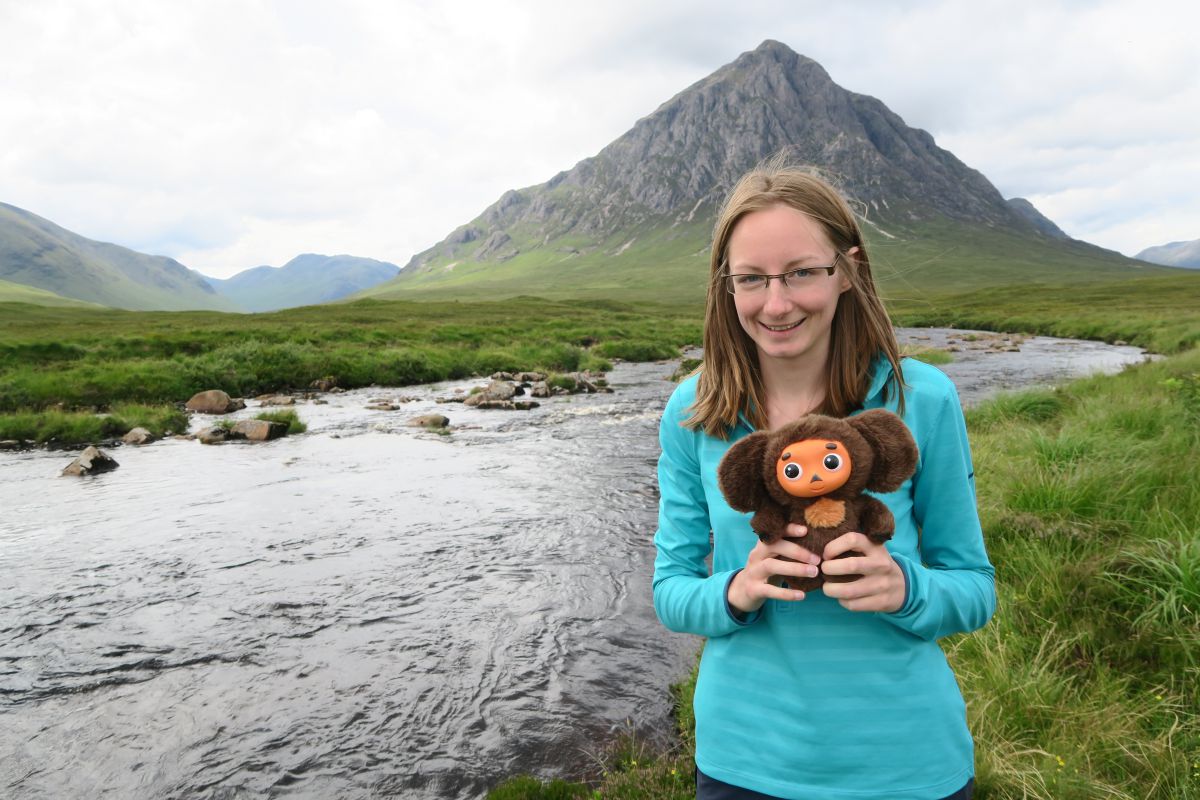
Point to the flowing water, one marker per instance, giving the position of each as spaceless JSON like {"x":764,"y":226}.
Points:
{"x":365,"y":610}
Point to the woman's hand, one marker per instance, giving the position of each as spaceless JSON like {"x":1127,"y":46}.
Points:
{"x":881,"y":587}
{"x":752,"y":587}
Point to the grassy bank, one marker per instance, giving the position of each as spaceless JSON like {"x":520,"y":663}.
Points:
{"x":75,"y":362}
{"x":1086,"y":684}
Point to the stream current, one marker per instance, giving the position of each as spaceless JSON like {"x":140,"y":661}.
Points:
{"x":365,"y":610}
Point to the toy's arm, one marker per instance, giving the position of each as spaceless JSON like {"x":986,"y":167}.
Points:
{"x":769,"y":522}
{"x":875,"y":520}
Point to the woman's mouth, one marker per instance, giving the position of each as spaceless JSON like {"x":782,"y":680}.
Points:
{"x":782,"y":328}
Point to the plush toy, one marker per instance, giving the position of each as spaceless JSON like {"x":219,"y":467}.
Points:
{"x":813,"y":471}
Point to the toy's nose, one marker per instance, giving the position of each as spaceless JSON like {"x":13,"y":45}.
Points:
{"x":815,"y":479}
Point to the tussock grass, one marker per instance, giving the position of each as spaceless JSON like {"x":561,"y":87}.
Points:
{"x":288,"y":417}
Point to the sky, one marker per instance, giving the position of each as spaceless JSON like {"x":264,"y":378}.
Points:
{"x":233,"y":133}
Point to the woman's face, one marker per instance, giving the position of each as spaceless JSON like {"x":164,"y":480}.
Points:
{"x":789,"y":323}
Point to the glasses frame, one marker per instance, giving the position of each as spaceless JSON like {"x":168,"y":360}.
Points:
{"x":781,"y":277}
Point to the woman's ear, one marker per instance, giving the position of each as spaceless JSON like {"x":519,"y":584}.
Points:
{"x":895,"y":451}
{"x":740,"y":473}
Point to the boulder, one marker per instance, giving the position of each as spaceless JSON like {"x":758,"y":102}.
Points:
{"x":277,"y":400}
{"x":214,"y":401}
{"x":508,"y":405}
{"x":502,"y":376}
{"x":91,"y":461}
{"x":496,"y":391}
{"x":259,"y":430}
{"x":431,"y":421}
{"x":529,"y":377}
{"x":217,"y":435}
{"x":323,"y":385}
{"x":138,"y":436}
{"x":539,"y":389}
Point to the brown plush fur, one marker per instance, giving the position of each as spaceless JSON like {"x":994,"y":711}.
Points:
{"x":882,"y":453}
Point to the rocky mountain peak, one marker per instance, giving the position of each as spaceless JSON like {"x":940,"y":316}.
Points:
{"x":679,"y":161}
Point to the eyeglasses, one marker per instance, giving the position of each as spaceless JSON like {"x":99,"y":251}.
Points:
{"x":796,"y":280}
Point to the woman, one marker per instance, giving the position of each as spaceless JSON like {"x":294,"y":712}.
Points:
{"x":844,"y":693}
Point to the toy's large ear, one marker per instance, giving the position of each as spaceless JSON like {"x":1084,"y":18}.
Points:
{"x":740,"y":473}
{"x":895,"y":450}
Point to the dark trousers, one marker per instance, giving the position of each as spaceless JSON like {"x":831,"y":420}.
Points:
{"x":712,"y":789}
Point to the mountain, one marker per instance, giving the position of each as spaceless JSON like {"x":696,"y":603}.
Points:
{"x":1043,"y":224}
{"x":36,"y":252}
{"x":636,"y":218}
{"x":1175,"y":254}
{"x":305,"y":280}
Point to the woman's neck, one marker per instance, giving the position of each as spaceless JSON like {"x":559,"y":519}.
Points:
{"x":792,"y":389}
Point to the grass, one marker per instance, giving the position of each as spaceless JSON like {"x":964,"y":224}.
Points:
{"x":289,"y":418}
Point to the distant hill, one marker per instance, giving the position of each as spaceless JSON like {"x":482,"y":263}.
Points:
{"x":635,"y":220}
{"x":305,"y":280}
{"x":36,"y":252}
{"x":20,"y":293}
{"x":1175,"y":254}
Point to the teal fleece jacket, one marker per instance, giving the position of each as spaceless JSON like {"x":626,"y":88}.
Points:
{"x":806,"y":699}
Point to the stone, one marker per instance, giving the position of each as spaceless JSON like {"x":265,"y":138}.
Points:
{"x":529,"y":377}
{"x":323,"y":385}
{"x":259,"y":430}
{"x":214,"y":401}
{"x":539,"y":389}
{"x":218,"y":435}
{"x":432,"y":421}
{"x":138,"y":436}
{"x":91,"y":461}
{"x":277,"y":400}
{"x":496,"y":391}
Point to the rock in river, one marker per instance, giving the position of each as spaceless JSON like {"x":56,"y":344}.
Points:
{"x":214,"y":401}
{"x":91,"y":461}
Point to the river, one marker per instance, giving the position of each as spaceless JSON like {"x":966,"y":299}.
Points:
{"x":364,"y":610}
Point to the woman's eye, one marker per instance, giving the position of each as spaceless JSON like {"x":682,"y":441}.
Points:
{"x":749,"y":280}
{"x":833,"y":462}
{"x":799,"y":274}
{"x":791,"y":471}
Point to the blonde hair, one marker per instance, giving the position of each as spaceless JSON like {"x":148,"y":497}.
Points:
{"x":730,"y":381}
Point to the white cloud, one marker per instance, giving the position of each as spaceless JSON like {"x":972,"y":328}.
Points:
{"x":231,"y":134}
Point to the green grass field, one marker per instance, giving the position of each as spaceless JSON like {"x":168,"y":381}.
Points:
{"x":1086,"y":684}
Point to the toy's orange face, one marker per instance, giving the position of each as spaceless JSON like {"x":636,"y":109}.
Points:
{"x":812,"y":467}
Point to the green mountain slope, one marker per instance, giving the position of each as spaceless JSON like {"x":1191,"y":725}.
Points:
{"x":635,"y":220}
{"x":19,"y":293}
{"x":306,"y":280}
{"x":36,"y":252}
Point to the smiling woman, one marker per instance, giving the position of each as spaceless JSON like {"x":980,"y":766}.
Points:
{"x":794,"y":326}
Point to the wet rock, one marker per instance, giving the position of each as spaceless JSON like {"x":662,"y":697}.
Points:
{"x":498,"y":391}
{"x":503,"y":376}
{"x":507,"y":405}
{"x":382,"y":405}
{"x":323,"y":385}
{"x":218,"y":435}
{"x":259,"y":430}
{"x":10,"y":444}
{"x":431,"y":421}
{"x":214,"y":401}
{"x":529,"y":377}
{"x":138,"y":436}
{"x":276,"y":400}
{"x":91,"y":461}
{"x":539,"y":389}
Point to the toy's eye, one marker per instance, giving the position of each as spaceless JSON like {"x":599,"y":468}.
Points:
{"x":833,"y":462}
{"x":792,"y":471}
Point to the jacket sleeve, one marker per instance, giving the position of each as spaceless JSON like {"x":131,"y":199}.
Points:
{"x":686,"y":598}
{"x":952,"y":589}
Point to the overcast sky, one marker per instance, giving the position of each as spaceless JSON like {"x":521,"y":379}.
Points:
{"x":233,"y":133}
